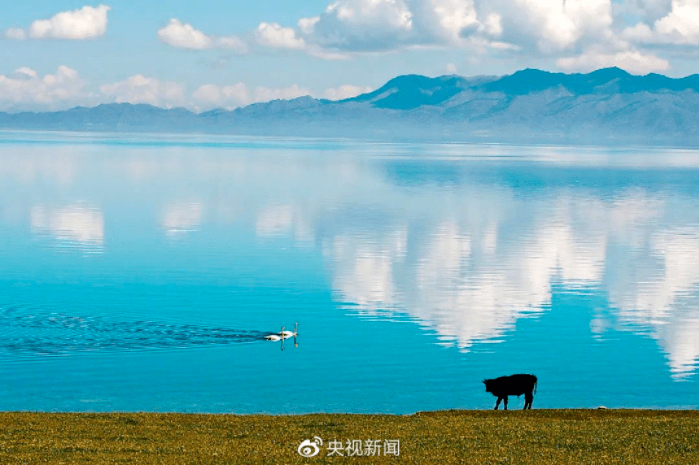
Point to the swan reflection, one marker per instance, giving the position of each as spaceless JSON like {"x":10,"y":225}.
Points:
{"x":284,"y":334}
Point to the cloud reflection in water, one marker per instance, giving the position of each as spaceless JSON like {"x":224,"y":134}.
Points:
{"x":470,"y":270}
{"x":72,"y":226}
{"x":463,"y":247}
{"x":181,"y":218}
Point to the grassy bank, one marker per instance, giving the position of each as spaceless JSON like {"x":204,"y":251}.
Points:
{"x":517,"y":437}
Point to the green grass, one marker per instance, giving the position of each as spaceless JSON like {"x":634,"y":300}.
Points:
{"x":512,"y":437}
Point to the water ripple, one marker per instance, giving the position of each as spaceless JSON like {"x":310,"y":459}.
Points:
{"x":59,"y":334}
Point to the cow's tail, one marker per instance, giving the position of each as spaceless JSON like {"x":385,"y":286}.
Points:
{"x":536,"y":381}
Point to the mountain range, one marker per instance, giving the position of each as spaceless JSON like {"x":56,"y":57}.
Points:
{"x":605,"y":106}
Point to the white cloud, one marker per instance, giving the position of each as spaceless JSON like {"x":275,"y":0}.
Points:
{"x":679,"y":26}
{"x":229,"y":97}
{"x":544,"y":26}
{"x":638,"y":33}
{"x":317,"y":51}
{"x":444,"y":20}
{"x":15,"y":33}
{"x":551,"y":25}
{"x":265,"y":94}
{"x":648,"y":10}
{"x":24,"y":73}
{"x":233,"y":96}
{"x":533,"y":28}
{"x":357,"y":25}
{"x":212,"y":96}
{"x":275,"y":36}
{"x":141,"y":89}
{"x":84,"y":23}
{"x":345,"y":91}
{"x":26,"y":89}
{"x":234,"y":43}
{"x":632,"y":61}
{"x":181,"y":35}
{"x":348,"y":27}
{"x":306,"y":25}
{"x":682,"y":24}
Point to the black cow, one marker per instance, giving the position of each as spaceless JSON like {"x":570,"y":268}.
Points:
{"x":514,"y":385}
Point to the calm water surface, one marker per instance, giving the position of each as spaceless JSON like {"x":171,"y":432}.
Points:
{"x":141,"y":273}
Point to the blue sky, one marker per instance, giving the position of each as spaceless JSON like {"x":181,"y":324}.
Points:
{"x":208,"y":54}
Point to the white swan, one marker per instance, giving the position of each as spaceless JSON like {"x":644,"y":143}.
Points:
{"x":283,"y":334}
{"x":288,"y":334}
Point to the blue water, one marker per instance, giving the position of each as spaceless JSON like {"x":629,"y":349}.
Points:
{"x":141,"y":273}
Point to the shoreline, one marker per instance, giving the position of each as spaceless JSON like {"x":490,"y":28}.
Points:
{"x":626,"y":436}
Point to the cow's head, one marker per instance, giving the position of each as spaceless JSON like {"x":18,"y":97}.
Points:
{"x":487,"y":385}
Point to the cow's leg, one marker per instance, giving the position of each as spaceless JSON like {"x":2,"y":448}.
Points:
{"x":528,"y":398}
{"x":497,"y":404}
{"x":505,"y":398}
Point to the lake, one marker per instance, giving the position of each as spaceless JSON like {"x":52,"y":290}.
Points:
{"x":141,"y":273}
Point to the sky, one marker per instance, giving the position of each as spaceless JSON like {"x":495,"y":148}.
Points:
{"x":209,"y":54}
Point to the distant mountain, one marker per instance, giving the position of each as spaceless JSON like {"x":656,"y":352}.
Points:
{"x":605,"y":106}
{"x":412,"y":91}
{"x":602,"y":81}
{"x":106,"y":117}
